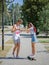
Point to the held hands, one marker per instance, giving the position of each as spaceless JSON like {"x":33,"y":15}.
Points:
{"x":21,"y":29}
{"x":25,"y":29}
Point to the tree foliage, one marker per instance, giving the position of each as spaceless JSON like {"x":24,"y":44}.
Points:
{"x":33,"y":11}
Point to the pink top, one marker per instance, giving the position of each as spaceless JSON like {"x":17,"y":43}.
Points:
{"x":17,"y":31}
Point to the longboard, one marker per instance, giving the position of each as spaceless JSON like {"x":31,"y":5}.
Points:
{"x":28,"y":58}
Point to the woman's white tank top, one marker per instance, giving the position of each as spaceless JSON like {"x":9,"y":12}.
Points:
{"x":16,"y":34}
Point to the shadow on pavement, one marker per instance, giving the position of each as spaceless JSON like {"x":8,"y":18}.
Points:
{"x":12,"y":58}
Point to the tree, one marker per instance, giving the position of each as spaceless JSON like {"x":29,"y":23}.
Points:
{"x":15,"y":10}
{"x":44,"y":18}
{"x":0,"y":12}
{"x":32,"y":9}
{"x":6,"y":13}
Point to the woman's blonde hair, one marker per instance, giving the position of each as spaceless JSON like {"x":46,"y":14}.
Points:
{"x":20,"y":20}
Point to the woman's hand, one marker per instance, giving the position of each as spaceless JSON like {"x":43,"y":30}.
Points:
{"x":27,"y":30}
{"x":23,"y":29}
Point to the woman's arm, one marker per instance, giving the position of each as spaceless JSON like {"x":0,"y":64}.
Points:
{"x":24,"y":29}
{"x":28,"y":30}
{"x":13,"y":29}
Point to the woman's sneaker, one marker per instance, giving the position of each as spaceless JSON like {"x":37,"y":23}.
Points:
{"x":17,"y":57}
{"x":31,"y":57}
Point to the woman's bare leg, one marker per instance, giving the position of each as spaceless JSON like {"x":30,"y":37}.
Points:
{"x":18,"y":49}
{"x":14,"y":48}
{"x":33,"y":48}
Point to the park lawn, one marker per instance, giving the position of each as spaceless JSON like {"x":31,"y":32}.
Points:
{"x":6,"y":48}
{"x":47,"y":48}
{"x":9,"y":42}
{"x":4,"y":30}
{"x":0,"y":62}
{"x":4,"y":52}
{"x":43,"y":40}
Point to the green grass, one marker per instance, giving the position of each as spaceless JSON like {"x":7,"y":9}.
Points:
{"x":5,"y":30}
{"x":9,"y":41}
{"x":0,"y":62}
{"x":47,"y":48}
{"x":44,"y":40}
{"x":4,"y":52}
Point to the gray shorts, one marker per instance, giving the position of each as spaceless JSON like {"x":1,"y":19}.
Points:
{"x":17,"y":41}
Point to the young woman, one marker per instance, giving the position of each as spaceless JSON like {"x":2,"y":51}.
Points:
{"x":33,"y":39}
{"x":16,"y":37}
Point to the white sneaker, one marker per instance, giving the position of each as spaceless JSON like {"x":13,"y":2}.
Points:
{"x":17,"y":57}
{"x":32,"y":56}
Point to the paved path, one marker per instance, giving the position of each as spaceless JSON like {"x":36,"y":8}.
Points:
{"x":42,"y":57}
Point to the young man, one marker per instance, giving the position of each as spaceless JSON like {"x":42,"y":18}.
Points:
{"x":16,"y":37}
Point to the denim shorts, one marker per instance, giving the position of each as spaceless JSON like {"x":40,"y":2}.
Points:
{"x":33,"y":38}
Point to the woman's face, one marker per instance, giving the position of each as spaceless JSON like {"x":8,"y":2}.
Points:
{"x":29,"y":25}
